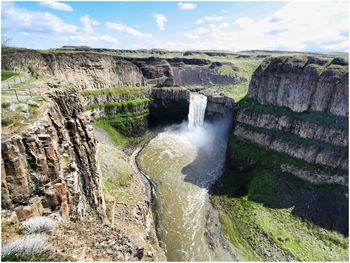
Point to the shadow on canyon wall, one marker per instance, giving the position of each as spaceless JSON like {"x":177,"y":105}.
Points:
{"x":324,"y":205}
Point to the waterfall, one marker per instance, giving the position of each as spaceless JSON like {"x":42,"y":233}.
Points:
{"x":198,"y":104}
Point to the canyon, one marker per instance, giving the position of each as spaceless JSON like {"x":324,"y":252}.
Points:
{"x":104,"y":118}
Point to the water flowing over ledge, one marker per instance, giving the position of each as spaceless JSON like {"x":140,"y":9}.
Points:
{"x":183,"y":161}
{"x":198,"y":105}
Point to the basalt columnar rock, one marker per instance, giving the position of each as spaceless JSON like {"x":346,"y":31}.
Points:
{"x":97,"y":69}
{"x":302,"y":83}
{"x":294,"y":121}
{"x":50,"y":166}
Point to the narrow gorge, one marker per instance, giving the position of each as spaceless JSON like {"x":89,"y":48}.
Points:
{"x":178,"y":156}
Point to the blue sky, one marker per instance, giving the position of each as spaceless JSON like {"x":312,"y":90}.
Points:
{"x":303,"y":26}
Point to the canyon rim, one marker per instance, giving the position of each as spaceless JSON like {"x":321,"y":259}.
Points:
{"x":174,"y":131}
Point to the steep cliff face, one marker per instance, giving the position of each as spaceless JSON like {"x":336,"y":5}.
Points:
{"x":302,"y":83}
{"x":133,"y":110}
{"x":51,"y":165}
{"x":294,"y":122}
{"x":83,"y":69}
{"x":182,"y":71}
{"x":98,"y":70}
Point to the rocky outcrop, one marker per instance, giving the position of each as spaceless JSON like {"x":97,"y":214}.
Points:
{"x":297,"y":106}
{"x":311,"y":153}
{"x":302,"y":83}
{"x":294,"y":123}
{"x":83,"y":69}
{"x":167,"y":105}
{"x":53,"y":161}
{"x":302,"y":128}
{"x":95,"y":69}
{"x":182,"y":71}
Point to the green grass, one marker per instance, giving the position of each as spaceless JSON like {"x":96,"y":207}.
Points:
{"x":235,"y":91}
{"x":232,"y":230}
{"x":125,"y":129}
{"x":246,"y":67}
{"x":31,"y":81}
{"x":259,"y":232}
{"x":226,"y":70}
{"x":117,"y":177}
{"x":127,"y":122}
{"x":114,"y":91}
{"x":117,"y":138}
{"x":320,"y":118}
{"x":120,"y":104}
{"x":8,"y":74}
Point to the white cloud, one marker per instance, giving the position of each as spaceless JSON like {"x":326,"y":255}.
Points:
{"x":160,"y":20}
{"x":32,"y":21}
{"x":88,"y":23}
{"x":127,"y":29}
{"x":92,"y":40}
{"x":56,"y":5}
{"x":208,"y":19}
{"x":186,"y":6}
{"x":292,"y":27}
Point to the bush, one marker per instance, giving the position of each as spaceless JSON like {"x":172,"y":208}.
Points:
{"x":27,"y":248}
{"x":38,"y":224}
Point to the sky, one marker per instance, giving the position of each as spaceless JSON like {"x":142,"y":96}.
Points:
{"x":235,"y":26}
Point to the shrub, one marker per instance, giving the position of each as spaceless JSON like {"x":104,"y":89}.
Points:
{"x":38,"y":224}
{"x":27,"y":248}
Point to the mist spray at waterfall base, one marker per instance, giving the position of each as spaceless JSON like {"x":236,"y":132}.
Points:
{"x":183,"y":161}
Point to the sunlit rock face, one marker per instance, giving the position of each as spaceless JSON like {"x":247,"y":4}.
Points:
{"x":302,"y":83}
{"x":51,"y":165}
{"x":96,"y":69}
{"x":294,"y":121}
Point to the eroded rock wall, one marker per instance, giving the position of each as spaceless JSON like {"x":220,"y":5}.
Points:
{"x":83,"y":69}
{"x":166,"y":105}
{"x":302,"y":83}
{"x":51,"y":165}
{"x":293,"y":124}
{"x":298,"y":106}
{"x":92,"y":69}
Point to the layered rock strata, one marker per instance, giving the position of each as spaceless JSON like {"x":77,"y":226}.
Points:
{"x":50,"y":166}
{"x":298,"y":106}
{"x":294,"y":123}
{"x":158,"y":106}
{"x":91,"y":69}
{"x":302,"y":83}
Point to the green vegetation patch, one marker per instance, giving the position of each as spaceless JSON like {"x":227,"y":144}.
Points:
{"x":114,"y":91}
{"x":262,"y":227}
{"x":117,"y":138}
{"x":8,"y":74}
{"x":320,"y":118}
{"x":127,"y":122}
{"x":120,"y":104}
{"x":117,"y":177}
{"x":125,"y":129}
{"x":235,"y":91}
{"x":226,"y":70}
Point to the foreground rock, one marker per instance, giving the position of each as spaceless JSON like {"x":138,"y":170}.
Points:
{"x":51,"y":166}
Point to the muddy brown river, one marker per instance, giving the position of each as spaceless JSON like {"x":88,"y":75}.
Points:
{"x":182,"y":162}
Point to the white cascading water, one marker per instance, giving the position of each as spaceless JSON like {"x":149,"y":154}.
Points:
{"x":198,"y":104}
{"x":183,"y":161}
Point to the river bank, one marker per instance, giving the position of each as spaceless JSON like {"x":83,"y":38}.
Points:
{"x":127,"y":197}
